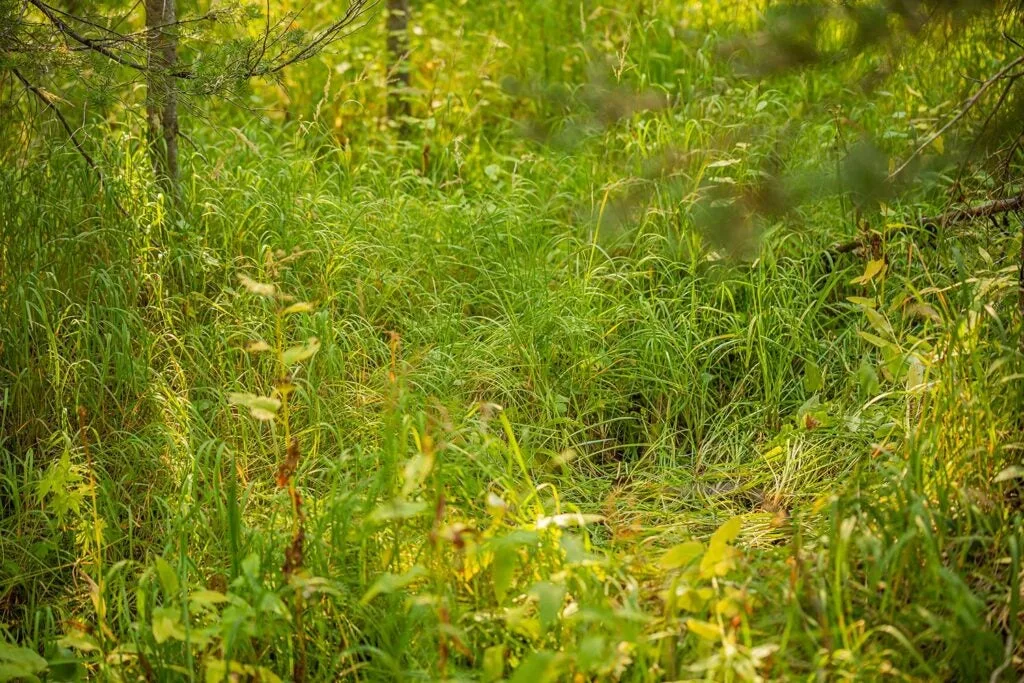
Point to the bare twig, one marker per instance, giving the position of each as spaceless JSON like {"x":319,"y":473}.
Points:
{"x":968,"y":105}
{"x":67,"y":129}
{"x":333,"y":32}
{"x":1010,"y":81}
{"x":60,"y":117}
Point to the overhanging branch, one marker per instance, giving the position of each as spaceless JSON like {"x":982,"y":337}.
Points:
{"x":967,"y":106}
{"x":45,"y":99}
{"x":257,"y":67}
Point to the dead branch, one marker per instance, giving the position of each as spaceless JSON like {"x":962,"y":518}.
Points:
{"x":951,"y":217}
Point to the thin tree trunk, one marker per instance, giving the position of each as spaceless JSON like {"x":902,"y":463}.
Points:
{"x":1020,"y":281}
{"x":161,"y":98}
{"x":398,"y":53}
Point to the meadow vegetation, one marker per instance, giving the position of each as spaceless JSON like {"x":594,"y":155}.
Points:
{"x":501,"y":389}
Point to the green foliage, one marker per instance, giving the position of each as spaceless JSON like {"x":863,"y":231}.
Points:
{"x":435,"y":399}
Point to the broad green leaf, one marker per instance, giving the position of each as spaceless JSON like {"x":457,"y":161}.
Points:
{"x":167,"y":624}
{"x":297,"y":354}
{"x":862,"y":301}
{"x":251,"y":566}
{"x":207,"y":598}
{"x":813,"y":379}
{"x":915,"y":373}
{"x":388,"y":583}
{"x":494,"y":663}
{"x":64,"y":666}
{"x":168,"y":578}
{"x":592,"y":651}
{"x":503,"y":569}
{"x":19,"y":663}
{"x":527,"y":627}
{"x":219,"y":670}
{"x":682,"y":555}
{"x":550,"y":598}
{"x":717,"y":561}
{"x":867,"y":378}
{"x":894,"y":361}
{"x":874,"y":339}
{"x":539,"y":667}
{"x":79,"y":640}
{"x":694,"y":599}
{"x":878,"y":321}
{"x":730,"y":604}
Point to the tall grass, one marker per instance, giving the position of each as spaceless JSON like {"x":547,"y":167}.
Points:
{"x":552,"y":431}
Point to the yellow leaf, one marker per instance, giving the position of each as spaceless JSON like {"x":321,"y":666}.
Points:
{"x":862,"y":301}
{"x":207,"y":598}
{"x":260,"y":407}
{"x":728,"y":531}
{"x":719,"y":560}
{"x":873,"y":268}
{"x":568,"y":519}
{"x":704,"y":629}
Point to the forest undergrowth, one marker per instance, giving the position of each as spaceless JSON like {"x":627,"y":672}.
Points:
{"x":477,"y":394}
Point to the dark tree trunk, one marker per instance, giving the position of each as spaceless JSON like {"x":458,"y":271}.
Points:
{"x":161,"y":98}
{"x":398,"y":53}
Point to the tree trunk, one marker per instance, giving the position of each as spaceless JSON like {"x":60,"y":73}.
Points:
{"x":398,"y":53}
{"x":161,"y":99}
